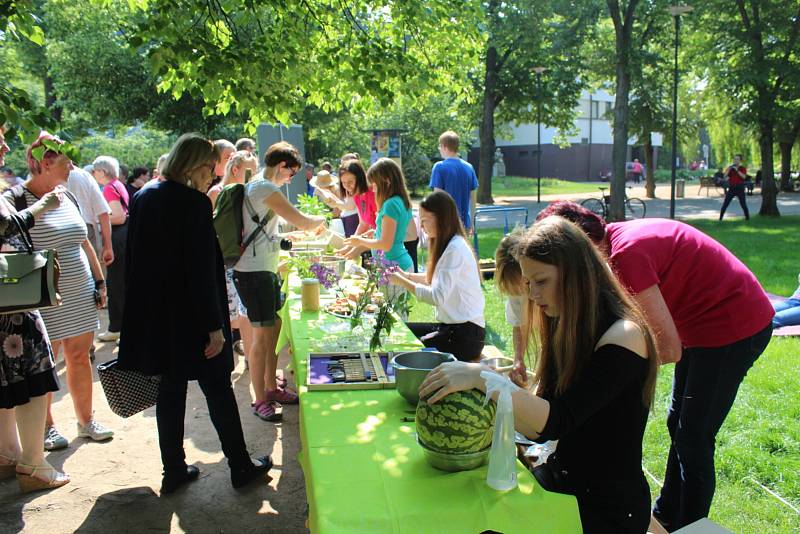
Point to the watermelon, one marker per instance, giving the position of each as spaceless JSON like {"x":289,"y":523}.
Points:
{"x":457,"y":424}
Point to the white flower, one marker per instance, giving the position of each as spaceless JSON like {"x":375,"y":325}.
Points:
{"x":12,"y":346}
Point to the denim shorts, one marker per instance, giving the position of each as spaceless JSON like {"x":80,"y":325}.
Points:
{"x":260,"y":292}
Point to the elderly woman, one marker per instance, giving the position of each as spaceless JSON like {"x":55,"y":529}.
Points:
{"x":186,"y":334}
{"x":27,"y":368}
{"x":81,"y":284}
{"x":105,"y":170}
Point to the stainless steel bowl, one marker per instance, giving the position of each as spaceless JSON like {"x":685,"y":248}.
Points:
{"x":411,"y":368}
{"x":334,"y":262}
{"x":455,"y":462}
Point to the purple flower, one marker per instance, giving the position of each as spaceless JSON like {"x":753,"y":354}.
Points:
{"x":327,"y":277}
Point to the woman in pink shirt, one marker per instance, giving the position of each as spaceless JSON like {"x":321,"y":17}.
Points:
{"x":353,"y":181}
{"x":105,"y":170}
{"x":710,"y":316}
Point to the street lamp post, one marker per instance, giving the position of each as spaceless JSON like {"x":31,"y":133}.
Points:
{"x":676,"y":11}
{"x":538,"y":71}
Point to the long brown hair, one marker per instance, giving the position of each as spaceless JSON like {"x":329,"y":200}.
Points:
{"x":389,"y":181}
{"x":356,"y":168}
{"x":589,"y":294}
{"x":448,"y":225}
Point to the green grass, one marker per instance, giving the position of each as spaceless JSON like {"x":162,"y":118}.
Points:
{"x":760,"y":440}
{"x":519,"y":186}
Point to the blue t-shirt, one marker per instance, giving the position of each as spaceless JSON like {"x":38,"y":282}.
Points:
{"x":397,"y":210}
{"x":458,"y":178}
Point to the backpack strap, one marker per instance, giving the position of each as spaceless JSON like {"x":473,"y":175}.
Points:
{"x":260,"y":223}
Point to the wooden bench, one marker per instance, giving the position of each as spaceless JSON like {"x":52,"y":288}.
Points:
{"x":708,"y":183}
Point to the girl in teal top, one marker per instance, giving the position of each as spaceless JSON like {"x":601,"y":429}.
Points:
{"x":394,"y":213}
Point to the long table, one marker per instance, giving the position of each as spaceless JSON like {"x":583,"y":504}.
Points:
{"x":365,"y":472}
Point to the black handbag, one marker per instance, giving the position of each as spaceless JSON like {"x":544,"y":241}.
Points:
{"x":128,"y":392}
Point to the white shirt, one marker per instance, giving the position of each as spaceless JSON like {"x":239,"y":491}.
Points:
{"x":81,"y":184}
{"x":263,"y":253}
{"x":455,"y":289}
{"x":514,"y":310}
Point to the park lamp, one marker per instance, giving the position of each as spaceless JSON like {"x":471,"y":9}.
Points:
{"x":538,"y":71}
{"x":676,"y":11}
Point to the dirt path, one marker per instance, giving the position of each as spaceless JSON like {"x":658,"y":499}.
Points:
{"x":115,"y":485}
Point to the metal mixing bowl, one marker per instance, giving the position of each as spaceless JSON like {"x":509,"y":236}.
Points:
{"x":334,"y":262}
{"x":455,"y":462}
{"x":411,"y":368}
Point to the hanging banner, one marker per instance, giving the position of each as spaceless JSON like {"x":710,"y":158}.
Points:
{"x":385,"y":144}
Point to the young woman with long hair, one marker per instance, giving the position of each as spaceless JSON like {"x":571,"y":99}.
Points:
{"x":394,"y":214}
{"x":509,"y":281}
{"x":354,"y":193}
{"x":596,"y":378}
{"x":451,"y":283}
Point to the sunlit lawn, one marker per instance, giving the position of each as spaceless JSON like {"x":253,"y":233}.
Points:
{"x":759,"y":444}
{"x":520,"y":186}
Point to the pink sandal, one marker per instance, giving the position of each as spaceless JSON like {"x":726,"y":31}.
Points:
{"x":266,"y":411}
{"x":284,"y":396}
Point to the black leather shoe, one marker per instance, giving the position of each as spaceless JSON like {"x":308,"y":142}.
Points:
{"x":242,"y":477}
{"x":173,"y":481}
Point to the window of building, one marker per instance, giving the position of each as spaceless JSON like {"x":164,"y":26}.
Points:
{"x":523,"y":154}
{"x":595,"y":109}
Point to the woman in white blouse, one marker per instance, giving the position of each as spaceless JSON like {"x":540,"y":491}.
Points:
{"x":451,"y":283}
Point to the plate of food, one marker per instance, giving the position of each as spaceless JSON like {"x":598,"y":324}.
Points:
{"x":344,"y":308}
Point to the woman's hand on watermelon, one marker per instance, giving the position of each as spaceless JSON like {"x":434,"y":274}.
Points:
{"x":449,"y":377}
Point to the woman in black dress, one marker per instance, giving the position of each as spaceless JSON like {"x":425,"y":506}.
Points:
{"x":596,"y":378}
{"x":175,"y":323}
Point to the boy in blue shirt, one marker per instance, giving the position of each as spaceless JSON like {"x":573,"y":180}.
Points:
{"x":456,"y":177}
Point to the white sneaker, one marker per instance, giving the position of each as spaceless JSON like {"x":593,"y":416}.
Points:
{"x":108,"y":336}
{"x":94,"y":431}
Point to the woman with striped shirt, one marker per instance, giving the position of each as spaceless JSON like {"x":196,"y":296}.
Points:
{"x":72,"y":324}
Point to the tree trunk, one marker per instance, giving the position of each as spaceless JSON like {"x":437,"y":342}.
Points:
{"x":786,"y":165}
{"x":620,"y":150}
{"x":486,"y":161}
{"x":769,"y":191}
{"x":50,"y":98}
{"x":649,"y":167}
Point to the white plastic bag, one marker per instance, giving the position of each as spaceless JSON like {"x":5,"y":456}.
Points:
{"x":502,"y":473}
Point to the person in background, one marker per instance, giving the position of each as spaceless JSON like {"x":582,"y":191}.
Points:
{"x":394,"y":215}
{"x":356,"y":192}
{"x":597,"y":371}
{"x":95,"y":212}
{"x":27,"y":367}
{"x":255,"y":275}
{"x":247,"y":144}
{"x":308,"y":169}
{"x":138,"y":177}
{"x":736,"y":173}
{"x":235,"y":169}
{"x":637,"y":171}
{"x":787,"y":313}
{"x":508,"y":277}
{"x":8,"y":177}
{"x":157,"y":177}
{"x":326,"y":166}
{"x":665,"y":265}
{"x":451,"y":283}
{"x":326,"y":186}
{"x":105,"y":169}
{"x":81,"y":284}
{"x":226,"y":149}
{"x":456,"y":177}
{"x":235,"y":172}
{"x":186,"y":334}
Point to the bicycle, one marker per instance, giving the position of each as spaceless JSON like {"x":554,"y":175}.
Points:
{"x":635,"y":208}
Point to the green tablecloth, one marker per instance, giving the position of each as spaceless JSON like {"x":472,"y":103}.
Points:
{"x":365,"y":473}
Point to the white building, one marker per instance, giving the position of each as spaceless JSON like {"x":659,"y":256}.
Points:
{"x":590,"y":152}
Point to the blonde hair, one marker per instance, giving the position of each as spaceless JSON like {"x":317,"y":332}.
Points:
{"x":189,"y":152}
{"x":389,"y":181}
{"x":589,"y":295}
{"x":237,"y":159}
{"x":507,"y":273}
{"x":449,"y":140}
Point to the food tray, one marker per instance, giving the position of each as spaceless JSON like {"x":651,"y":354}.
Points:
{"x":318,"y":377}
